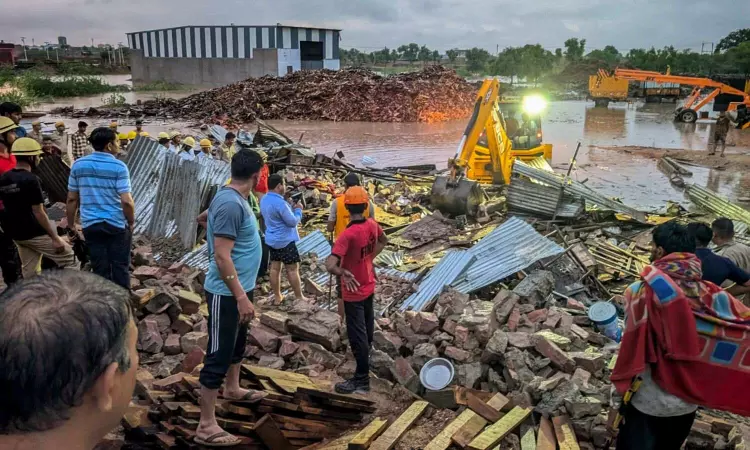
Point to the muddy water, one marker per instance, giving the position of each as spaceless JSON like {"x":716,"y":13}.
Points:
{"x":635,"y":179}
{"x":632,"y":178}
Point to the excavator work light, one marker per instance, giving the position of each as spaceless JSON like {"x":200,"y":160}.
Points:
{"x":534,"y":104}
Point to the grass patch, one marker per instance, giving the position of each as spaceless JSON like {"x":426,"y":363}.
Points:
{"x":41,"y":85}
{"x":114,"y":99}
{"x":18,"y":97}
{"x":160,"y":85}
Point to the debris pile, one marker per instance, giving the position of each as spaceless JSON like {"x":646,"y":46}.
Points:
{"x":431,"y":95}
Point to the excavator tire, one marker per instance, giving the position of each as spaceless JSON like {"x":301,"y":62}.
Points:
{"x":456,"y":198}
{"x":687,"y":116}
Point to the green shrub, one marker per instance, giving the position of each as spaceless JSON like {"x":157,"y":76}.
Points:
{"x":114,"y":100}
{"x":18,"y":97}
{"x":41,"y":85}
{"x":160,"y":86}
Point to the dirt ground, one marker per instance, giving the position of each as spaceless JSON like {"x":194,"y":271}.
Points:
{"x":732,"y":160}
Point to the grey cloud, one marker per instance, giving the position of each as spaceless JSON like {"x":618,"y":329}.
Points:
{"x":370,"y":24}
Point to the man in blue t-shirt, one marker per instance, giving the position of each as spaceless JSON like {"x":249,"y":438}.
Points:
{"x":234,"y":251}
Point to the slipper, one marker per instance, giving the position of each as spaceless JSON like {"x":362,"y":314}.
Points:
{"x":211,"y":440}
{"x":252,"y":396}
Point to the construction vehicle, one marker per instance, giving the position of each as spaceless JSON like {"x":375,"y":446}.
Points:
{"x":736,"y":111}
{"x":605,"y":88}
{"x":485,"y":153}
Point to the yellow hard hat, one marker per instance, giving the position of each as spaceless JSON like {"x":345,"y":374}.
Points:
{"x":163,"y":135}
{"x":122,"y":136}
{"x":7,"y":124}
{"x":174,"y":134}
{"x":59,"y":124}
{"x":145,"y":134}
{"x":205,"y":143}
{"x":26,"y":147}
{"x":113,"y":125}
{"x":132,"y":135}
{"x":189,"y":141}
{"x":36,"y":122}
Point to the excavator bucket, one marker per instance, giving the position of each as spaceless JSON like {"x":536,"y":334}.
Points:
{"x":457,"y":198}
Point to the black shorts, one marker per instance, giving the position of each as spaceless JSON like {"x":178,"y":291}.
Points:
{"x":286,"y":255}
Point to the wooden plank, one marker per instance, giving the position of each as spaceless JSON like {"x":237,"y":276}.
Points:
{"x":443,"y":440}
{"x":462,"y":393}
{"x":364,"y":438}
{"x":464,"y":435}
{"x":335,"y":396}
{"x":165,"y":441}
{"x":388,"y":440}
{"x":497,"y":431}
{"x":290,"y":386}
{"x":190,"y":411}
{"x":136,"y":417}
{"x":483,"y":409}
{"x":340,"y":443}
{"x":528,"y":439}
{"x":566,"y":437}
{"x":271,"y":435}
{"x":444,"y":398}
{"x":320,"y":401}
{"x":546,"y":438}
{"x":298,"y":424}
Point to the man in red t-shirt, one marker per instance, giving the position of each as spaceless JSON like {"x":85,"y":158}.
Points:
{"x":352,"y":259}
{"x":261,"y":188}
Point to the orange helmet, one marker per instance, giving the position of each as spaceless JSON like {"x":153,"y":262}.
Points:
{"x":356,"y":195}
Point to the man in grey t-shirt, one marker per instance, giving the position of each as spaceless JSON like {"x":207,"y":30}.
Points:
{"x":234,"y":250}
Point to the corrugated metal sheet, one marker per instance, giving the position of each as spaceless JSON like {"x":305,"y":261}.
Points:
{"x":576,"y":189}
{"x":169,"y":192}
{"x":53,"y":174}
{"x":539,"y":200}
{"x":450,"y":267}
{"x":511,"y":247}
{"x":711,"y":202}
{"x":197,"y":259}
{"x":540,"y":163}
{"x":315,"y":242}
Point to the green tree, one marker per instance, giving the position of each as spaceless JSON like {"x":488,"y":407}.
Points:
{"x":535,"y":61}
{"x":558,"y":53}
{"x":507,"y":64}
{"x":574,"y":48}
{"x":609,"y":56}
{"x":733,"y":39}
{"x":739,"y":57}
{"x":436,"y":56}
{"x":476,"y":60}
{"x":409,"y":52}
{"x":452,"y":55}
{"x":425,"y":54}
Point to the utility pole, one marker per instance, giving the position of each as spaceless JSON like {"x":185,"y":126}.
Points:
{"x":57,"y":55}
{"x":25,"y":55}
{"x":46,"y":45}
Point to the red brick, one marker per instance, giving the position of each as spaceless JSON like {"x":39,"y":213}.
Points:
{"x":576,"y":305}
{"x":193,"y":359}
{"x":457,"y":354}
{"x":505,"y":302}
{"x":513,"y":319}
{"x":557,"y":356}
{"x":147,"y":272}
{"x":540,"y":315}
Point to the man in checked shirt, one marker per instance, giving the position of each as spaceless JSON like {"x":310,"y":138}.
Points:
{"x":80,"y":142}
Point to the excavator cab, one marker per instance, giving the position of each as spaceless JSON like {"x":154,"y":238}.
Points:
{"x":486,"y":151}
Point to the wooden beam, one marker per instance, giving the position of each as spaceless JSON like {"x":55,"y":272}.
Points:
{"x":443,"y":440}
{"x":271,"y":435}
{"x":566,"y":437}
{"x":364,"y":438}
{"x":464,"y":435}
{"x":497,"y":431}
{"x":483,"y":409}
{"x":546,"y":438}
{"x":397,"y":429}
{"x":528,"y":439}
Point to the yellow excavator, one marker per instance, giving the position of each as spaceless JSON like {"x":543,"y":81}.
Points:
{"x":486,"y":151}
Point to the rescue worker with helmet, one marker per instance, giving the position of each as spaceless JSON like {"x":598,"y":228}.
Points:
{"x":352,"y":259}
{"x":338,"y":217}
{"x":25,"y":219}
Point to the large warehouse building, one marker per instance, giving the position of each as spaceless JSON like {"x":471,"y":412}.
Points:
{"x":217,"y":55}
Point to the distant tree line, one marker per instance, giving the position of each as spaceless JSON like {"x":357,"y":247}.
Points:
{"x":533,"y":62}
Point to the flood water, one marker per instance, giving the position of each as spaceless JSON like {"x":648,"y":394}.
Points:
{"x":633,"y":178}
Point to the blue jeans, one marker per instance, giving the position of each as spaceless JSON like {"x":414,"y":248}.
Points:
{"x":109,"y":251}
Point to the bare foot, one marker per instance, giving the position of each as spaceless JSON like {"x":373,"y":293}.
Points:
{"x":303,"y":298}
{"x":250,"y":395}
{"x":213,"y":435}
{"x":277,"y":299}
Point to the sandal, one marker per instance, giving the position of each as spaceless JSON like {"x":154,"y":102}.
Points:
{"x":252,"y":396}
{"x":211,"y":440}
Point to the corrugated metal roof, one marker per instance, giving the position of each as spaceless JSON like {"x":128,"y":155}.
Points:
{"x":711,"y":202}
{"x":540,"y":163}
{"x":450,"y":267}
{"x":315,"y":242}
{"x":511,"y":247}
{"x":576,"y":189}
{"x":54,"y":174}
{"x":541,"y":201}
{"x":145,"y":160}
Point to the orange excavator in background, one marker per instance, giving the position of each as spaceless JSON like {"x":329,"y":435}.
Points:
{"x":737,"y":112}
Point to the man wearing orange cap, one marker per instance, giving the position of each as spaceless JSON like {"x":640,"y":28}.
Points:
{"x":352,"y":259}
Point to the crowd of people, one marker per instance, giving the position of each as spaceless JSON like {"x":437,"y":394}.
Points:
{"x":68,"y":346}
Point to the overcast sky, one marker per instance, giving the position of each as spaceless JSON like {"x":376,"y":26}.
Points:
{"x":372,"y":24}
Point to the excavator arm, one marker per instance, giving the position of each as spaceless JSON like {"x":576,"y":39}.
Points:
{"x":484,"y":104}
{"x":695,"y":101}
